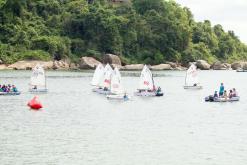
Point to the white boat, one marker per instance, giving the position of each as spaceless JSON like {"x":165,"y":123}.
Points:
{"x":38,"y":80}
{"x":117,"y":91}
{"x":191,"y":78}
{"x":146,"y":84}
{"x":102,"y":80}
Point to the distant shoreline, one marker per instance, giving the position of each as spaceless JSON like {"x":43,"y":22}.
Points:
{"x":90,"y":63}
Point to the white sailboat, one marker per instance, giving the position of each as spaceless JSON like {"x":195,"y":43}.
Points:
{"x":191,"y":78}
{"x":117,"y":91}
{"x":104,"y":81}
{"x":38,"y":80}
{"x":98,"y":74}
{"x":146,"y":84}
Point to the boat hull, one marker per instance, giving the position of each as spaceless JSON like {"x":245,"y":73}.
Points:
{"x":241,"y":70}
{"x":192,"y":87}
{"x":10,"y":93}
{"x":38,"y":90}
{"x":148,"y":94}
{"x":101,"y":91}
{"x":220,"y":99}
{"x":117,"y":97}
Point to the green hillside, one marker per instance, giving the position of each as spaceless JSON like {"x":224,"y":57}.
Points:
{"x":141,"y":31}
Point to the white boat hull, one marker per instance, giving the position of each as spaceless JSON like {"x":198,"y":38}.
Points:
{"x":101,"y":91}
{"x":10,"y":93}
{"x":38,"y":90}
{"x":118,"y":97}
{"x":192,"y":87}
{"x":148,"y":94}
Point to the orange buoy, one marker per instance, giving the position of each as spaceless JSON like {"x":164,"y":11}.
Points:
{"x":35,"y":103}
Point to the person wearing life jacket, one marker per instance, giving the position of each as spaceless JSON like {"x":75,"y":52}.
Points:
{"x":14,"y":89}
{"x":222,"y":89}
{"x":158,"y":90}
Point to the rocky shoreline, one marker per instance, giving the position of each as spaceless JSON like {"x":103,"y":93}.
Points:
{"x":114,"y":61}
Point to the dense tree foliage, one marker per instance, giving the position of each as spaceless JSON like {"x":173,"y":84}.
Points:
{"x":150,"y":31}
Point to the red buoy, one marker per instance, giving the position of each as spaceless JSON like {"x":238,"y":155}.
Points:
{"x":35,"y":103}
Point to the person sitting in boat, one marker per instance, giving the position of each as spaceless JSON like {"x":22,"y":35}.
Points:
{"x":216,"y":94}
{"x":234,"y":93}
{"x":230,"y":94}
{"x":225,"y":95}
{"x":222,"y":89}
{"x":158,"y":90}
{"x":125,"y":96}
{"x":1,"y":90}
{"x":5,"y":88}
{"x":195,"y":84}
{"x":14,"y":89}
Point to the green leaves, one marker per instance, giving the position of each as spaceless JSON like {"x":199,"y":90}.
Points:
{"x":144,"y":31}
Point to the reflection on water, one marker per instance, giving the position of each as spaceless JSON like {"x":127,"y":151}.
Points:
{"x":80,"y":127}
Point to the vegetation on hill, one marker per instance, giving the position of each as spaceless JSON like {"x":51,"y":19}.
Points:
{"x":142,"y":31}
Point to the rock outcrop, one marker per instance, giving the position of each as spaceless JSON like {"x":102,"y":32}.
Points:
{"x":220,"y":66}
{"x":111,"y":59}
{"x":202,"y":64}
{"x":161,"y":67}
{"x":88,"y":63}
{"x":239,"y":65}
{"x":133,"y":67}
{"x":28,"y":65}
{"x":60,"y":65}
{"x":3,"y":67}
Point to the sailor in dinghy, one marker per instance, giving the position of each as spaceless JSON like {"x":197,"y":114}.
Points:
{"x":191,"y":78}
{"x":117,"y":91}
{"x":146,"y":84}
{"x":38,"y":80}
{"x":104,"y":82}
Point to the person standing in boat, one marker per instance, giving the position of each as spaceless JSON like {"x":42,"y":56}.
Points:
{"x":222,"y":89}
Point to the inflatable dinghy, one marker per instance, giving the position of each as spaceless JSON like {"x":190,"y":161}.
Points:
{"x":220,"y":99}
{"x":10,"y":93}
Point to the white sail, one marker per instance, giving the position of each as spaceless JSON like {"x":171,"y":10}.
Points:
{"x":146,"y":79}
{"x":105,"y":80}
{"x":191,"y":76}
{"x":38,"y":77}
{"x":98,"y":74}
{"x":116,"y":85}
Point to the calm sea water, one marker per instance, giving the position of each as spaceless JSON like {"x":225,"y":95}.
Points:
{"x":79,"y":127}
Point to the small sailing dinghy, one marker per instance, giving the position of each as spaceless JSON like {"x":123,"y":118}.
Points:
{"x":103,"y":83}
{"x":117,"y":91}
{"x":191,"y":78}
{"x":98,"y":77}
{"x":38,"y":80}
{"x":146,"y":84}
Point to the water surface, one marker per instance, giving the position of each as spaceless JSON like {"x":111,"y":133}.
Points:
{"x":78,"y":127}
